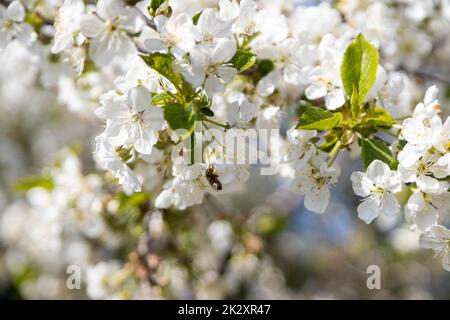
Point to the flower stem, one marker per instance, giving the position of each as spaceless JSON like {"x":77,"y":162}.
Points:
{"x":225,"y":126}
{"x":334,"y":152}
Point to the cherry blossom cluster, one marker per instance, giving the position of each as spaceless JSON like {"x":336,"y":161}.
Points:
{"x":423,"y":168}
{"x":332,"y":81}
{"x":228,"y":68}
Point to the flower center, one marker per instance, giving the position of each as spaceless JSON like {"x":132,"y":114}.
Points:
{"x":213,"y":69}
{"x":170,"y":40}
{"x":137,"y":117}
{"x":248,"y":30}
{"x":111,"y":27}
{"x":326,"y":82}
{"x":378,"y":190}
{"x":208,"y":38}
{"x":284,"y":59}
{"x":8,"y":24}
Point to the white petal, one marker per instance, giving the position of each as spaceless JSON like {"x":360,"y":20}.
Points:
{"x":315,"y":91}
{"x":428,"y":239}
{"x":368,"y":210}
{"x":207,"y":20}
{"x":426,"y":218}
{"x":144,"y":144}
{"x":317,"y":201}
{"x":25,"y":34}
{"x":109,"y":9}
{"x":248,"y":111}
{"x":154,"y":44}
{"x":130,"y":181}
{"x":62,"y":43}
{"x":361,"y":184}
{"x":164,"y":199}
{"x":335,"y":99}
{"x":16,"y":11}
{"x":291,"y":73}
{"x":377,"y":169}
{"x":153,"y":118}
{"x":91,"y":26}
{"x":407,"y":174}
{"x":193,"y":172}
{"x":213,"y":85}
{"x":266,"y":86}
{"x":428,"y":184}
{"x":410,"y":154}
{"x":224,"y":51}
{"x":446,"y":261}
{"x":227,"y":73}
{"x":431,"y":94}
{"x":389,"y":205}
{"x":139,"y":98}
{"x":104,"y":49}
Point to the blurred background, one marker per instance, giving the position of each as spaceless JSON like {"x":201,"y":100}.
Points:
{"x":57,"y":209}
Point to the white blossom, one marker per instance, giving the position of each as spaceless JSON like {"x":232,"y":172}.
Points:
{"x":437,"y":238}
{"x":132,"y":120}
{"x":314,"y":182}
{"x":107,"y":156}
{"x":67,"y":25}
{"x":377,"y":185}
{"x":12,"y":26}
{"x":109,"y":27}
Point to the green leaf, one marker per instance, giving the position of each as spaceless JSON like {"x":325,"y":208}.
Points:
{"x":377,"y":117}
{"x":195,"y":17}
{"x":180,"y":116}
{"x":157,"y":6}
{"x":132,"y":201}
{"x":163,"y":64}
{"x":354,"y":103}
{"x":243,"y":59}
{"x":263,"y":68}
{"x":315,"y":118}
{"x":161,"y":99}
{"x":373,"y":149}
{"x":25,"y":184}
{"x":359,"y":67}
{"x":33,"y":19}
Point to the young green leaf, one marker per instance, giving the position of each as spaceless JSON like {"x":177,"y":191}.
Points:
{"x":180,"y":116}
{"x":263,"y":68}
{"x":373,"y":149}
{"x":132,"y":201}
{"x":155,"y":5}
{"x":354,"y":103}
{"x":377,"y":117}
{"x":163,"y":64}
{"x":243,"y":59}
{"x":359,"y":67}
{"x":315,"y":118}
{"x":195,"y":17}
{"x":161,"y":99}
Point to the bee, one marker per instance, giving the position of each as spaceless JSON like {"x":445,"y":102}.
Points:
{"x":212,"y":177}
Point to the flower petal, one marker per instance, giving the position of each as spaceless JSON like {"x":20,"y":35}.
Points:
{"x":368,"y":210}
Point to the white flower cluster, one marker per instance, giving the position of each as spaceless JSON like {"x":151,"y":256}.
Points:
{"x":423,"y":168}
{"x":149,"y":70}
{"x":204,"y":61}
{"x":54,"y":227}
